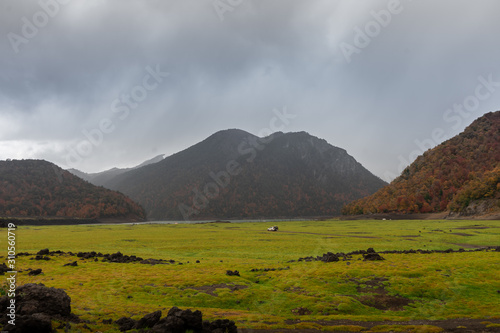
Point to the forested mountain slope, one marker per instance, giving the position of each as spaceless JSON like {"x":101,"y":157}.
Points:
{"x":449,"y":177}
{"x":42,"y":189}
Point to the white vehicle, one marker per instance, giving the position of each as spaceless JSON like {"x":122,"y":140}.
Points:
{"x":274,"y":228}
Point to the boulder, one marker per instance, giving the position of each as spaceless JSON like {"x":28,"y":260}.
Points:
{"x":328,"y":257}
{"x":44,"y":252}
{"x":171,"y":324}
{"x":125,"y":324}
{"x":177,"y":321}
{"x":149,"y":320}
{"x":74,"y":263}
{"x":192,"y":320}
{"x":38,"y":322}
{"x":3,"y":269}
{"x":36,"y":306}
{"x":231,"y":273}
{"x":41,"y":257}
{"x":220,"y":326}
{"x":37,"y":298}
{"x":35,"y":272}
{"x":371,"y":255}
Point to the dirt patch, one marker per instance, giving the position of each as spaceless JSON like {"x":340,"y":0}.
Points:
{"x":210,"y":290}
{"x":331,"y":235}
{"x":296,"y":290}
{"x":474,"y":227}
{"x":384,"y":302}
{"x":301,"y":311}
{"x":375,"y":285}
{"x":395,"y":216}
{"x":460,"y":325}
{"x":461,"y":234}
{"x":376,"y":296}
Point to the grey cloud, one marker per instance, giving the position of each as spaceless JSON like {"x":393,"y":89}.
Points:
{"x":232,"y":73}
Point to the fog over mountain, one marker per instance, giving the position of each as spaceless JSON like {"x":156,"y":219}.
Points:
{"x":234,"y":174}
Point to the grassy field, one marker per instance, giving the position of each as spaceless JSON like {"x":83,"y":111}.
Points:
{"x":297,"y":294}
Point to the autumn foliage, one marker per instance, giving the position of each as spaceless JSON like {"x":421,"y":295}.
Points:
{"x":39,"y":188}
{"x":448,"y":177}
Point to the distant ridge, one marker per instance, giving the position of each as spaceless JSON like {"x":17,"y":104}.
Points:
{"x":234,"y":174}
{"x":461,"y":176}
{"x":37,"y":188}
{"x":101,"y":178}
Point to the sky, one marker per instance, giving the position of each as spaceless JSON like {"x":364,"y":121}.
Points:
{"x":97,"y":84}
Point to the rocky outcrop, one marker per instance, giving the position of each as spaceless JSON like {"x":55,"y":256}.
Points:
{"x":177,"y":321}
{"x":35,"y":306}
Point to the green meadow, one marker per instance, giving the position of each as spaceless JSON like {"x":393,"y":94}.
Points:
{"x":295,"y":295}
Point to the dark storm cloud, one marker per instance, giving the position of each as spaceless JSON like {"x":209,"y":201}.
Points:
{"x":63,"y":80}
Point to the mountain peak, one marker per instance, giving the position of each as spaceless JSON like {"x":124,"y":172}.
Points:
{"x":232,"y":134}
{"x":282,"y":175}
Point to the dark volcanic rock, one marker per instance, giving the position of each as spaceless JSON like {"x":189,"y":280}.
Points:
{"x":35,"y":272}
{"x":231,"y":273}
{"x":38,"y":322}
{"x":40,"y":257}
{"x":36,"y":306}
{"x":3,"y":269}
{"x":43,"y":252}
{"x":371,"y":255}
{"x":192,"y":320}
{"x":170,"y":324}
{"x":74,"y":263}
{"x":220,"y":326}
{"x":328,"y":257}
{"x":36,"y":298}
{"x":149,"y":320}
{"x":88,"y":255}
{"x":125,"y":324}
{"x":177,"y":321}
{"x":118,"y":257}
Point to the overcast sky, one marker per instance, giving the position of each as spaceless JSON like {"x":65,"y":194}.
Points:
{"x":101,"y":83}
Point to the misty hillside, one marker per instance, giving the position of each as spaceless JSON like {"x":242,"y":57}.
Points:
{"x":38,"y":188}
{"x":461,"y":175}
{"x":102,"y":178}
{"x":234,"y":174}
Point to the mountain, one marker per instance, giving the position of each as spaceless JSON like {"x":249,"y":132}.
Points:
{"x":42,"y":189}
{"x":460,"y":175}
{"x":234,"y":174}
{"x":102,"y":178}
